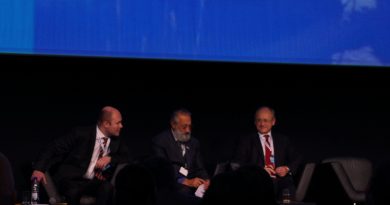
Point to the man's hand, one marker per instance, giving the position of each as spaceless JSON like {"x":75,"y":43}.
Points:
{"x":195,"y":182}
{"x":39,"y":175}
{"x":282,"y":171}
{"x":271,"y":171}
{"x":102,"y":162}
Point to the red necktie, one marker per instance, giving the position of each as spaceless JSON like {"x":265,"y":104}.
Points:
{"x":268,"y":152}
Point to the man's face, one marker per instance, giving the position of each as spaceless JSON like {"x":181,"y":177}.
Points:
{"x":182,"y":127}
{"x":114,"y":126}
{"x":264,"y":121}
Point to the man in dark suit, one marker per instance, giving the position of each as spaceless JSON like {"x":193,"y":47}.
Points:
{"x":82,"y":155}
{"x":269,"y":150}
{"x":182,"y":150}
{"x":7,"y":185}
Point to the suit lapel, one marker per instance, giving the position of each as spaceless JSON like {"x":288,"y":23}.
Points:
{"x":176,"y":148}
{"x":114,"y":144}
{"x":259,"y":150}
{"x":91,"y":143}
{"x":277,"y":154}
{"x":190,"y":152}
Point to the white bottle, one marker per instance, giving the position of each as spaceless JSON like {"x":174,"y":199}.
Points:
{"x":35,"y":191}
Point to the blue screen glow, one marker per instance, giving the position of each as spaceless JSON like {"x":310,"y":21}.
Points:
{"x":353,"y":32}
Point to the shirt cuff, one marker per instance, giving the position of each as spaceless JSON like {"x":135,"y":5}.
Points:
{"x":288,"y":171}
{"x":181,"y":180}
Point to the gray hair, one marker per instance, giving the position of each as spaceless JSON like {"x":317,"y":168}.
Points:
{"x":176,"y":113}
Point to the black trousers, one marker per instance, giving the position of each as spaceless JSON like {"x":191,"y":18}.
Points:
{"x":73,"y":190}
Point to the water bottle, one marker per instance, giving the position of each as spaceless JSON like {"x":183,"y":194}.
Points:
{"x":35,"y":191}
{"x":286,"y":196}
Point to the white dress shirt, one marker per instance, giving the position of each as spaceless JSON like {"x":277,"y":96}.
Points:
{"x":270,"y":140}
{"x":95,"y":156}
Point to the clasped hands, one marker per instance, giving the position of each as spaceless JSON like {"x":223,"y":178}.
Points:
{"x":100,"y":164}
{"x":281,"y":171}
{"x":196,"y":182}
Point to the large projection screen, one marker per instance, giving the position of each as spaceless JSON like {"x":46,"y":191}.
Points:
{"x":352,"y":32}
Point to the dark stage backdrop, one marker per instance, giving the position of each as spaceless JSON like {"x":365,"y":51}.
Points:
{"x":327,"y":111}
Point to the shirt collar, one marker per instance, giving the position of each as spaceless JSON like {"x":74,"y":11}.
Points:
{"x":262,"y":135}
{"x":99,"y":133}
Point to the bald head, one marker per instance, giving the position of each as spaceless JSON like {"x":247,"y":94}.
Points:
{"x":266,"y":109}
{"x":106,"y":114}
{"x":110,"y":121}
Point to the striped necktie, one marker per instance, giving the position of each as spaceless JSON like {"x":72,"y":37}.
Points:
{"x":102,"y":148}
{"x":268,"y":153}
{"x":101,"y":153}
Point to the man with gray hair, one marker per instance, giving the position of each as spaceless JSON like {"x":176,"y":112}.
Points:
{"x":270,"y":150}
{"x":182,"y":150}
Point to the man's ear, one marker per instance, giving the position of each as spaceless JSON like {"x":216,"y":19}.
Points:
{"x":173,"y":125}
{"x":106,"y":123}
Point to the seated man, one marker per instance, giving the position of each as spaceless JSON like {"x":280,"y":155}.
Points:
{"x":272,"y":151}
{"x":182,"y":150}
{"x":83,"y":154}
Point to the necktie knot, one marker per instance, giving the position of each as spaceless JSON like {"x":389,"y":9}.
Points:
{"x":266,"y":138}
{"x":105,"y":141}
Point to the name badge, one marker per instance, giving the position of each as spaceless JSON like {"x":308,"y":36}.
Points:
{"x":272,"y":159}
{"x":183,"y":171}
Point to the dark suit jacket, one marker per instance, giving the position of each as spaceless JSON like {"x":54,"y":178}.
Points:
{"x":73,"y":153}
{"x":164,"y":145}
{"x":7,"y":185}
{"x":250,"y":152}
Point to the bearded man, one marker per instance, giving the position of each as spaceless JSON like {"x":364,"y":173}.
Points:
{"x":183,"y":151}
